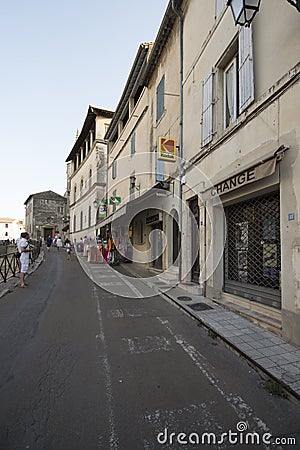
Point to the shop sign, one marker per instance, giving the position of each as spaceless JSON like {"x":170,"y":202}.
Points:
{"x":167,"y":149}
{"x":152,"y":219}
{"x":114,"y":200}
{"x":248,"y":176}
{"x":102,"y":210}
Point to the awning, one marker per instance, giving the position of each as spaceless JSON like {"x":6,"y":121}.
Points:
{"x":245,"y":177}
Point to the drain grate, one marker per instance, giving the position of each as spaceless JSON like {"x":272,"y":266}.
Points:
{"x":184,"y":298}
{"x":200,"y":307}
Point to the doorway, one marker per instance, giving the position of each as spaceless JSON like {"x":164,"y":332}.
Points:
{"x":176,"y":239}
{"x":195,"y":272}
{"x":157,"y":247}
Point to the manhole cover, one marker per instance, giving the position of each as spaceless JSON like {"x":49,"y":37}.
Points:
{"x":200,"y":307}
{"x":184,"y":298}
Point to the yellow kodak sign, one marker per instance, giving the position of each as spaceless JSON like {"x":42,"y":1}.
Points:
{"x":167,"y":149}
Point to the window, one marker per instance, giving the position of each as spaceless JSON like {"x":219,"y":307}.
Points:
{"x":234,"y":83}
{"x":60,"y":209}
{"x":160,"y":103}
{"x":114,"y":169}
{"x":81,"y":220}
{"x":132,"y":144}
{"x":230,"y":93}
{"x":74,"y":223}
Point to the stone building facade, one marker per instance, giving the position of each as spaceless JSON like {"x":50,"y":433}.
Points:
{"x":44,"y":216}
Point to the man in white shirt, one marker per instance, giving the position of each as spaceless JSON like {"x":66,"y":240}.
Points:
{"x":24,"y":258}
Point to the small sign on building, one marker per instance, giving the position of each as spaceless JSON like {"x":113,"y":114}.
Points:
{"x":167,"y":149}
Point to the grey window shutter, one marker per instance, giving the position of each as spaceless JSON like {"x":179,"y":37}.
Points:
{"x":207,"y":109}
{"x":246,"y":78}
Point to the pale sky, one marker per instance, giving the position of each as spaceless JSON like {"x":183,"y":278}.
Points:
{"x":57,"y":58}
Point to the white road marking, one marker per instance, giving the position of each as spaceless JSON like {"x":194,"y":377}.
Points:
{"x":113,"y":438}
{"x":116,"y":313}
{"x":242,"y":409}
{"x":148,"y":344}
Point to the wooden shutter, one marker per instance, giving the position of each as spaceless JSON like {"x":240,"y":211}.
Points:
{"x":207,"y":109}
{"x":246,"y":79}
{"x":160,"y":105}
{"x":132,"y":146}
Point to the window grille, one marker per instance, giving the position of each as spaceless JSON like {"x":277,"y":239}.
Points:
{"x":252,"y":253}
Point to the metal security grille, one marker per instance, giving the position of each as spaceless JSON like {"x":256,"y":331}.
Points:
{"x":252,"y":254}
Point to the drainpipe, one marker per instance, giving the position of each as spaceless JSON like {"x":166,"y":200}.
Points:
{"x":180,"y":16}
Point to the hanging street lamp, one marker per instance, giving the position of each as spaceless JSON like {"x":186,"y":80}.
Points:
{"x":243,"y":11}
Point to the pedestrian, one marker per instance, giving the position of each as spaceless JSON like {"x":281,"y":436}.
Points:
{"x":49,"y":243}
{"x":59,"y":243}
{"x":18,"y":252}
{"x":68,"y":247}
{"x":25,"y":251}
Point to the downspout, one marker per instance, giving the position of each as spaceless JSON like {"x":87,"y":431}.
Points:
{"x":180,"y":16}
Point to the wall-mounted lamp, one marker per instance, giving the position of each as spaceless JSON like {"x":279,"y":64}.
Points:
{"x":132,"y":183}
{"x":244,"y":10}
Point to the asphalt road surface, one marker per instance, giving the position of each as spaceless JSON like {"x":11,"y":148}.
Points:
{"x":84,"y":369}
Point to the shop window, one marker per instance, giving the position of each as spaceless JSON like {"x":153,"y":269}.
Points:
{"x":252,"y":253}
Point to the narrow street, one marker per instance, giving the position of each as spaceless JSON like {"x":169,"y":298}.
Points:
{"x":84,"y":369}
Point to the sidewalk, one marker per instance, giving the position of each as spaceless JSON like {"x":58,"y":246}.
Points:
{"x":271,"y":354}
